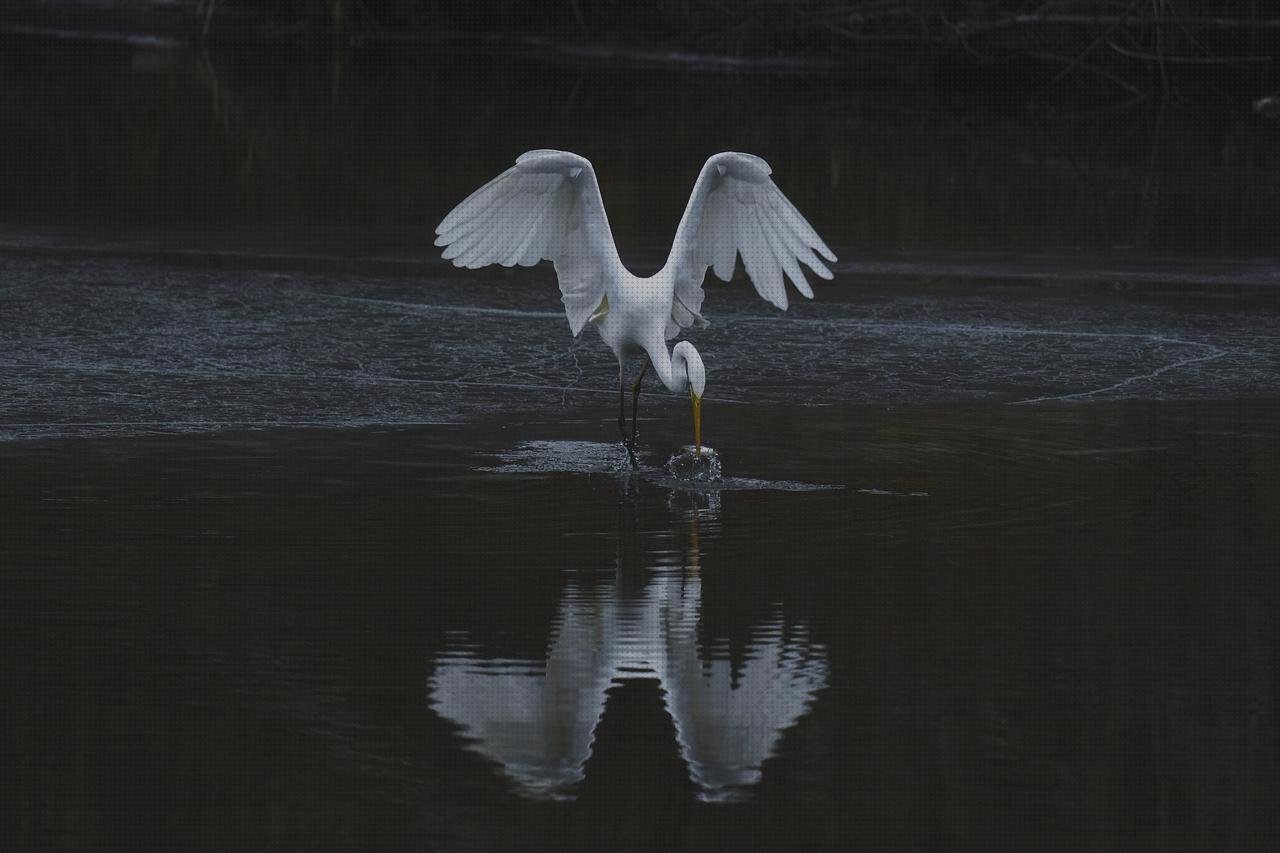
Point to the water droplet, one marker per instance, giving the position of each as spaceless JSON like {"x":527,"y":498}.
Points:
{"x":688,"y":464}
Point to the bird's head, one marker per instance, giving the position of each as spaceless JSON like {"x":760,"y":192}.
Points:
{"x":696,"y":375}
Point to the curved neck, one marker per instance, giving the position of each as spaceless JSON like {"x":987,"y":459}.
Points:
{"x":672,"y":368}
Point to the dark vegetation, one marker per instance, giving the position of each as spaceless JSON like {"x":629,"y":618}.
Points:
{"x":908,"y":124}
{"x":1127,"y":48}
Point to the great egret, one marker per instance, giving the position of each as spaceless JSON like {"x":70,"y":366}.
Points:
{"x":548,"y":206}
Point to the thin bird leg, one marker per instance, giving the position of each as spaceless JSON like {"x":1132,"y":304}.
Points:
{"x":622,"y":403}
{"x":635,"y":403}
{"x":622,"y":417}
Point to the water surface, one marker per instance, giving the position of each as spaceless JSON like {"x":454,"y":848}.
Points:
{"x":1039,"y":627}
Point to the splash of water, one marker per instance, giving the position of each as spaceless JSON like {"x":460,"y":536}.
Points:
{"x":688,"y":464}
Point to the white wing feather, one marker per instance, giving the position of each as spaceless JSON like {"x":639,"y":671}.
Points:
{"x":736,"y":209}
{"x":548,"y":206}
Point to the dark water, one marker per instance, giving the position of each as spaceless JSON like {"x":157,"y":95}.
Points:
{"x":345,"y":560}
{"x":305,"y":553}
{"x":1022,"y":628}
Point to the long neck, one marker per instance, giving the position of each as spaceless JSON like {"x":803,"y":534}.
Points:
{"x":672,"y":367}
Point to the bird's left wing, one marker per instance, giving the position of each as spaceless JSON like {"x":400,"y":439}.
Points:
{"x":736,"y":209}
{"x":548,"y":206}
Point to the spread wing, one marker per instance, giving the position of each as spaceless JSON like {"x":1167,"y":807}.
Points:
{"x":736,"y":209}
{"x":545,"y":206}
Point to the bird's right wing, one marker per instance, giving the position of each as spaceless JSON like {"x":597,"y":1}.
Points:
{"x":736,"y":209}
{"x":545,"y":206}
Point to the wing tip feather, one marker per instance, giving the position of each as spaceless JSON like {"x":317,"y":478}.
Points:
{"x":552,"y":160}
{"x":744,"y":167}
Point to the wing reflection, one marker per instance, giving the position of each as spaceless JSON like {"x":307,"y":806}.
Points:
{"x":537,"y":719}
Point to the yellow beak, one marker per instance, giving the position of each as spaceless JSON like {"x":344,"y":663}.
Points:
{"x":697,"y":421}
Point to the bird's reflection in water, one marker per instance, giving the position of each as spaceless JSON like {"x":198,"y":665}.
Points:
{"x":537,"y":719}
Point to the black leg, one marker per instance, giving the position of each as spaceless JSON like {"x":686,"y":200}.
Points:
{"x":622,"y":403}
{"x":622,"y":417}
{"x":635,"y":403}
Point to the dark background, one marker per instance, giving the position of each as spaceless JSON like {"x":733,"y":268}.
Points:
{"x":897,"y":126}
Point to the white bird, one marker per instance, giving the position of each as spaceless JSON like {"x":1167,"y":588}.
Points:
{"x":548,"y":206}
